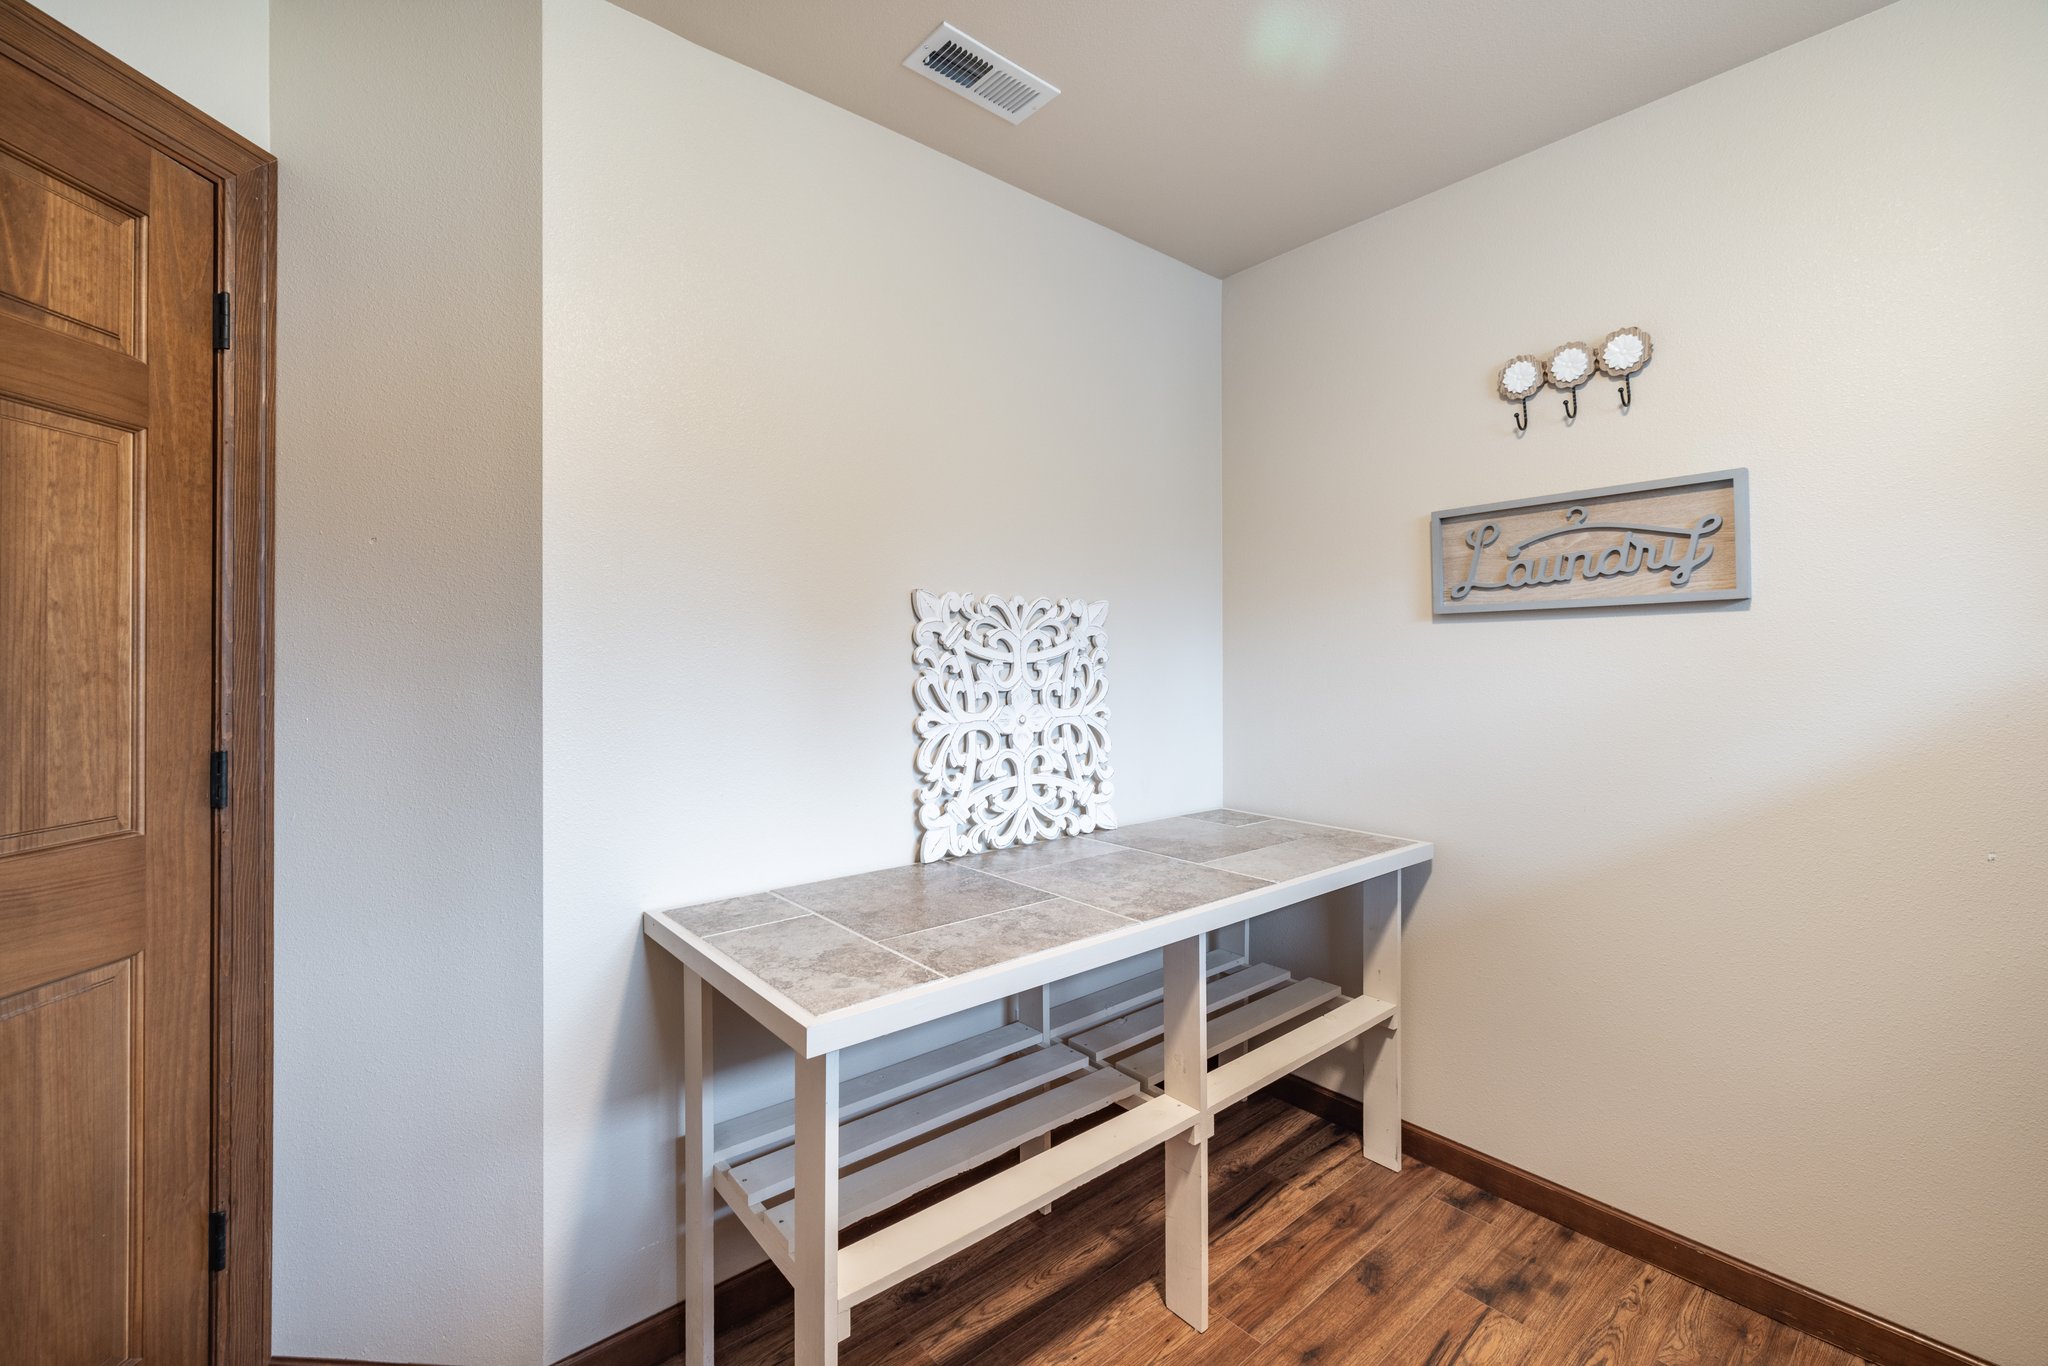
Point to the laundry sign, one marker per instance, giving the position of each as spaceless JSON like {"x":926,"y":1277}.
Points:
{"x":1669,"y":540}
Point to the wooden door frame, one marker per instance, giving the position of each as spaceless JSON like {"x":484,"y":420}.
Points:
{"x":245,"y":209}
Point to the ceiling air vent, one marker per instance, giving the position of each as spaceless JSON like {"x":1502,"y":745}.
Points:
{"x":991,"y":80}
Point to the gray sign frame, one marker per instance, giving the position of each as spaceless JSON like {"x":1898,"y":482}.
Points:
{"x":1737,"y":479}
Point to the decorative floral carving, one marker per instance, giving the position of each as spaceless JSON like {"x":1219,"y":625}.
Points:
{"x":1569,"y":366}
{"x":1520,"y":378}
{"x":1624,"y":351}
{"x":1012,"y":723}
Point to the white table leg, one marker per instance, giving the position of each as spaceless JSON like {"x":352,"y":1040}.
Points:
{"x":1187,"y":1156}
{"x":1034,"y":1008}
{"x":1380,"y":976}
{"x":1235,"y":939}
{"x":819,"y":1323}
{"x":699,"y":1198}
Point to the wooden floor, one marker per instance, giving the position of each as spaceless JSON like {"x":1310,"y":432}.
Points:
{"x":1317,"y":1256}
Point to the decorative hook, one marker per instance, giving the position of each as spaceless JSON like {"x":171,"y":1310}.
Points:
{"x":1627,"y":396}
{"x":1522,"y":418}
{"x":1571,"y":407}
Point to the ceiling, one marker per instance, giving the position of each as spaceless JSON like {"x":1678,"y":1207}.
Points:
{"x":1224,"y":132}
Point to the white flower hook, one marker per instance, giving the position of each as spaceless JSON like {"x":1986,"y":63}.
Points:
{"x":1623,"y":352}
{"x":1518,"y":379}
{"x":1566,"y":369}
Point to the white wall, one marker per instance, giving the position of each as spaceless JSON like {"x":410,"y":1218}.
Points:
{"x":798,"y":366}
{"x":214,"y":54}
{"x":408,"y":681}
{"x":1713,"y":933}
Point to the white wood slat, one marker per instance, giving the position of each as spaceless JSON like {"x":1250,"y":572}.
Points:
{"x":748,"y":1135}
{"x":1229,"y":1027}
{"x":773,"y":1237}
{"x":774,"y":1173}
{"x":700,"y":1194}
{"x":1104,"y":1041}
{"x":814,"y":1237}
{"x":1379,"y":1053}
{"x":875,"y":1188}
{"x":1121,"y":998}
{"x":923,"y":1239}
{"x":1185,"y":1051}
{"x":1275,"y":1058}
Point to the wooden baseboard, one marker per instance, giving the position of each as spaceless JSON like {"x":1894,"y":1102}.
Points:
{"x":1853,"y":1330}
{"x":658,"y":1337}
{"x":650,"y":1342}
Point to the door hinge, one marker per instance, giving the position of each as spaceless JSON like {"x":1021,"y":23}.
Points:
{"x":217,"y":1240}
{"x":223,"y":321}
{"x":219,"y":780}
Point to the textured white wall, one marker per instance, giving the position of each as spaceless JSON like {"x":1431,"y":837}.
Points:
{"x":797,"y":366}
{"x":214,"y":54}
{"x":1714,"y":933}
{"x":408,"y":681}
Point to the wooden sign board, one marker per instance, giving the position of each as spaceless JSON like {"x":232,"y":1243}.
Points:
{"x":1670,"y":540}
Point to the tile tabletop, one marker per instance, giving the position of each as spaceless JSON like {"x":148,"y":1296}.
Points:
{"x":850,"y":940}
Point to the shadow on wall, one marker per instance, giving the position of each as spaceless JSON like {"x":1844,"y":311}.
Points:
{"x":1818,"y":1048}
{"x":648,"y":1100}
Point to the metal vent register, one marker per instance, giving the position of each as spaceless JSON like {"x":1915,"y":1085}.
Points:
{"x":981,"y":74}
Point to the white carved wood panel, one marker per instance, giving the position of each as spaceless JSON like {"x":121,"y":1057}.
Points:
{"x":1012,"y":721}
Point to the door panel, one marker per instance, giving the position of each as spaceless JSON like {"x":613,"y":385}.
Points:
{"x":67,"y":905}
{"x":73,"y":263}
{"x":107,"y":424}
{"x":70,"y":714}
{"x":67,"y":1160}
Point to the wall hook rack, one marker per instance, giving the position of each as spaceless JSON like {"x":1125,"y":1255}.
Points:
{"x":1572,"y":366}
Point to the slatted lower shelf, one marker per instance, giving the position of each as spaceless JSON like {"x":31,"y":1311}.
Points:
{"x":1233,"y":1081}
{"x":1121,"y":998}
{"x":909,"y":1126}
{"x":1243,"y":1005}
{"x":903,"y":1249}
{"x":1141,"y":1027}
{"x":871,"y":1190}
{"x":773,"y":1127}
{"x":773,"y":1240}
{"x":774,"y":1173}
{"x":1236,"y":1025}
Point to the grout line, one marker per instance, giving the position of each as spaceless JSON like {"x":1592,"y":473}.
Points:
{"x":742,"y":929}
{"x":866,"y":938}
{"x":1021,"y":906}
{"x":1198,"y":863}
{"x":1170,"y":858}
{"x":1048,"y":897}
{"x":886,"y":949}
{"x":1061,"y":896}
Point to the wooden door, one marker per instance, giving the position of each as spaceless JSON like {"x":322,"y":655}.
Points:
{"x":107,"y":394}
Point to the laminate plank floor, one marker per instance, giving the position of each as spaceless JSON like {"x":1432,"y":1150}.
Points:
{"x":1318,"y":1258}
